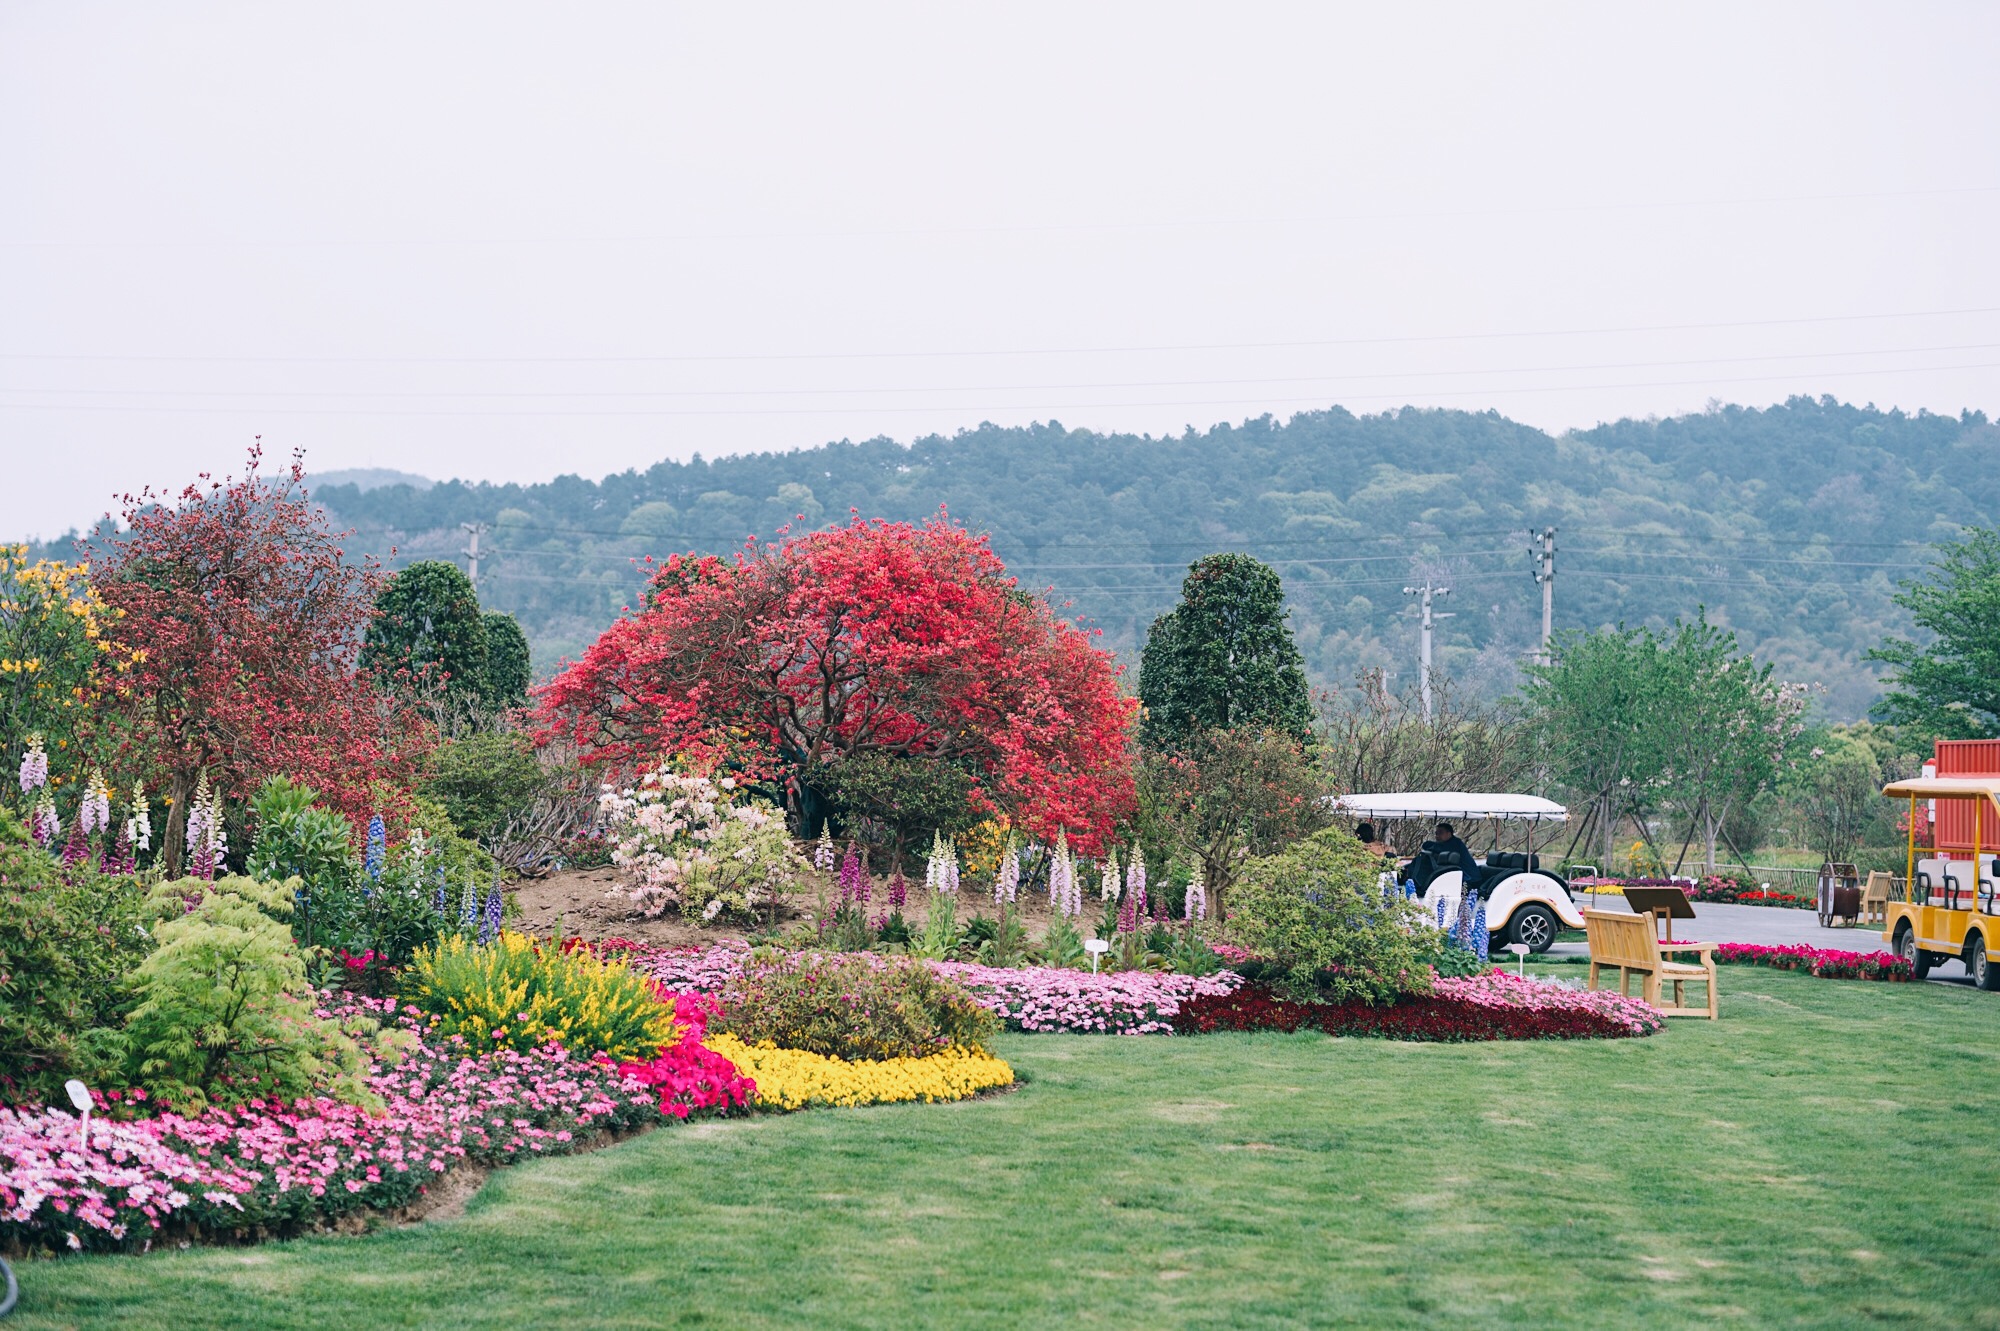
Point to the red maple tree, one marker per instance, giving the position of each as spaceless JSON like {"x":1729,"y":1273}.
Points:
{"x":246,"y":619}
{"x":909,"y":641}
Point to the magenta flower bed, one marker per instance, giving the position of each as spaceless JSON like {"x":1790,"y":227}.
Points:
{"x":1827,"y":963}
{"x":1043,"y":998}
{"x":278,"y":1168}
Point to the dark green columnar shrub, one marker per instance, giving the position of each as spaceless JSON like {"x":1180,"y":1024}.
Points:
{"x":1316,"y":911}
{"x":67,"y":940}
{"x":225,"y":1010}
{"x":508,"y":666}
{"x":428,"y":636}
{"x":1223,"y":659}
{"x":851,"y":1006}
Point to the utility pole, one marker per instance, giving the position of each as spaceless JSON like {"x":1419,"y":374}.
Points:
{"x":1543,"y":548}
{"x":471,"y":552}
{"x":1427,"y":591}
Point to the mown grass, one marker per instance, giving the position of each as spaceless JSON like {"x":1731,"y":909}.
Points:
{"x":1826,"y":1155}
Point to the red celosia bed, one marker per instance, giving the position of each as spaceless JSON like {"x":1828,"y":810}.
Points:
{"x":1494,"y":1006}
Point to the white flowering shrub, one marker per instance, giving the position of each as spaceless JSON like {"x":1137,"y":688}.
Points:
{"x":694,"y":842}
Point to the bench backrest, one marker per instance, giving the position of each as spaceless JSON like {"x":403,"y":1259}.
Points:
{"x":1621,"y":939}
{"x":1878,"y":887}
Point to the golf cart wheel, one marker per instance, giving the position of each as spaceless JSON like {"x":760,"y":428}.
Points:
{"x":1534,"y":926}
{"x":1907,"y":949}
{"x":1980,"y":967}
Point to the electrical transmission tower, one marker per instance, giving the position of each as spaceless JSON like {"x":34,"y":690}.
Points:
{"x":471,"y":552}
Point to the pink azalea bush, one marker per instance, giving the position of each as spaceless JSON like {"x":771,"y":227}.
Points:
{"x":278,"y":1167}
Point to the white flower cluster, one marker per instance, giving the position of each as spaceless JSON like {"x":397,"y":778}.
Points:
{"x":1195,"y":904}
{"x":941,"y":869}
{"x":689,"y":840}
{"x":1107,"y":882}
{"x":95,"y":812}
{"x":1007,"y":884}
{"x":1065,"y":892}
{"x":34,"y":766}
{"x":139,"y":825}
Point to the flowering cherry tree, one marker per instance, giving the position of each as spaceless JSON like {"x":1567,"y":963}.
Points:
{"x":875,"y":638}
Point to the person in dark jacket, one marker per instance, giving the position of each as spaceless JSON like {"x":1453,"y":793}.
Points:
{"x":1445,"y":842}
{"x":1370,"y":842}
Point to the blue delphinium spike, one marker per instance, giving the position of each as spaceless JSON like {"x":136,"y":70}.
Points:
{"x":378,"y":839}
{"x":1440,"y":912}
{"x":489,"y":928}
{"x":468,"y":907}
{"x":1482,"y":941}
{"x":437,"y":902}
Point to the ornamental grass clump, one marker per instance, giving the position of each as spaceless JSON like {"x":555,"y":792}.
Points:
{"x":517,"y":993}
{"x":850,"y":1006}
{"x":1330,"y":935}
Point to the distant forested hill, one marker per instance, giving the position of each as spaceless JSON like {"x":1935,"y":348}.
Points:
{"x":1790,"y":524}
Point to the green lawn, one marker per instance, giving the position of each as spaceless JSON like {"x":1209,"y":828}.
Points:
{"x":1828,"y":1154}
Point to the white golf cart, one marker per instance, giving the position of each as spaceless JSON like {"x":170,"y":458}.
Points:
{"x":1525,"y":903}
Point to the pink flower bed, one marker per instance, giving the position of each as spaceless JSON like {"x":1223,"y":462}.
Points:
{"x":1028,"y":998}
{"x":1828,"y":963}
{"x":1497,"y":989}
{"x":280,"y":1167}
{"x":682,"y":970}
{"x":1044,"y":998}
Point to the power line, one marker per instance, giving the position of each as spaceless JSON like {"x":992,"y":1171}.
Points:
{"x":426,"y":394}
{"x":1034,"y":228}
{"x":1001,"y":351}
{"x":964,"y":408}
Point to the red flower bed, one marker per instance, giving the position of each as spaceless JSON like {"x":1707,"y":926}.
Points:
{"x":1486,"y":1007}
{"x":1826,"y":963}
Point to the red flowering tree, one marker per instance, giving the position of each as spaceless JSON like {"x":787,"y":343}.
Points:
{"x":876,"y":638}
{"x":245,"y":620}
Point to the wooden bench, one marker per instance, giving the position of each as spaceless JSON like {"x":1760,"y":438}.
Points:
{"x":1626,"y":943}
{"x":1875,"y":899}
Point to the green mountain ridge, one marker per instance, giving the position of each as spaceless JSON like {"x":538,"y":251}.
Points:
{"x":1791,"y":524}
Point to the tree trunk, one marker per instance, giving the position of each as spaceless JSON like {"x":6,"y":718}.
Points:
{"x":173,"y":840}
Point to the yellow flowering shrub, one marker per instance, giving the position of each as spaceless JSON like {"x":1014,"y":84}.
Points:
{"x":518,"y":993}
{"x":56,"y":660}
{"x":795,"y":1079}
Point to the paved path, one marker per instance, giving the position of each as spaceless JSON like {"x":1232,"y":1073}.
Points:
{"x":1770,"y":925}
{"x":1714,"y":922}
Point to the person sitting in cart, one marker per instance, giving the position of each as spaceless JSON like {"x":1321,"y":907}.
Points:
{"x":1444,"y":844}
{"x":1372,"y":843}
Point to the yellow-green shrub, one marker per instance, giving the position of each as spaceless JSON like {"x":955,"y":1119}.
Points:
{"x":518,"y":993}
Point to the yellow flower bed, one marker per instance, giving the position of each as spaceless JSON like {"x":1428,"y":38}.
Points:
{"x":795,"y":1079}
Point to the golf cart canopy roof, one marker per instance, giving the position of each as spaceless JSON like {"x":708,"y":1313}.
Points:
{"x":1449,"y":804}
{"x":1946,"y":788}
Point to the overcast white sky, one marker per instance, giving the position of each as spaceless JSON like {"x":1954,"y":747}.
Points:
{"x":510,"y":241}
